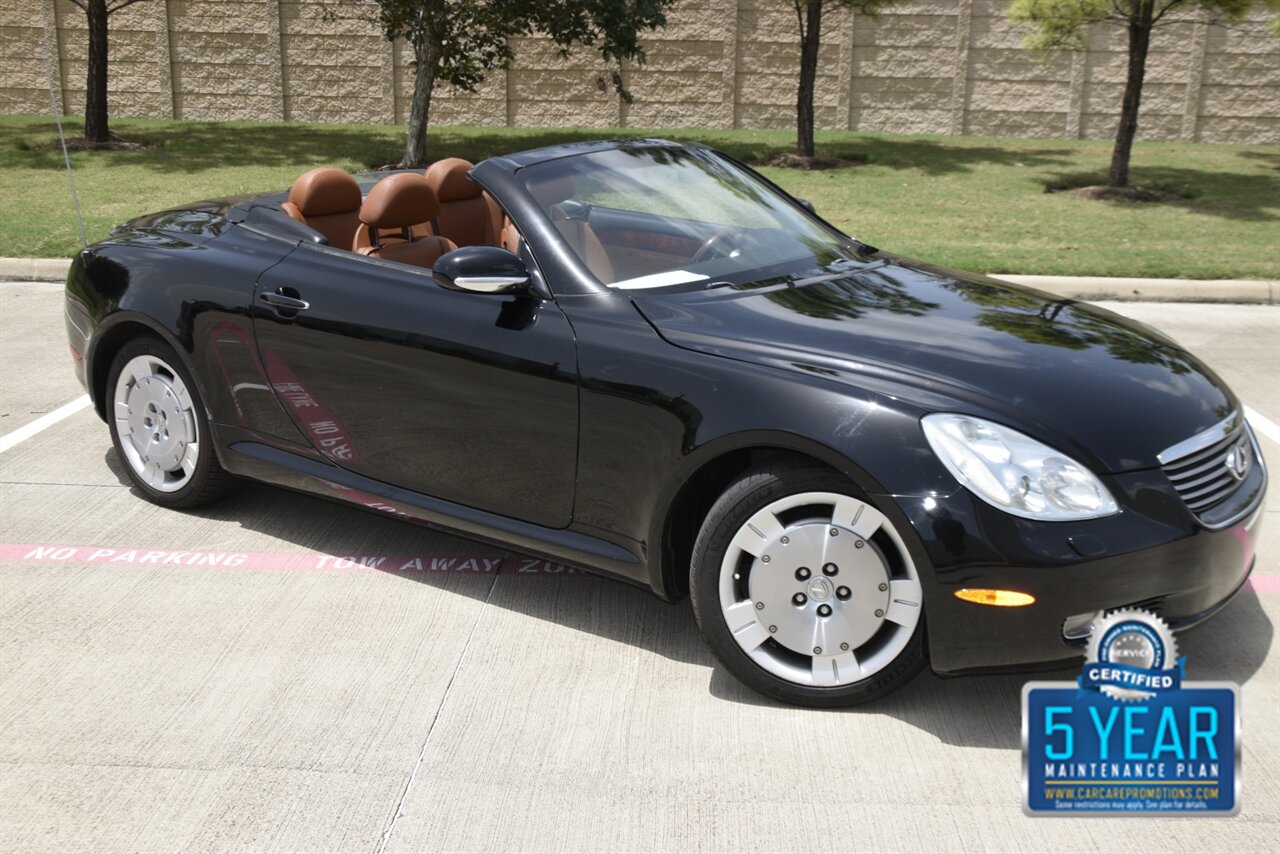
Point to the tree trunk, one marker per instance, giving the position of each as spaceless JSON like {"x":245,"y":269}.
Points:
{"x":427,"y":55}
{"x":1139,"y":43}
{"x":95,"y":93}
{"x":810,"y":19}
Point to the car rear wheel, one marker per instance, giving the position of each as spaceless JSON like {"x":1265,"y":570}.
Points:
{"x":805,"y":591}
{"x":159,"y":429}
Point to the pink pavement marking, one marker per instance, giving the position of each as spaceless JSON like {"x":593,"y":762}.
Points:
{"x":1261,"y":582}
{"x":1265,"y":582}
{"x":277,"y":561}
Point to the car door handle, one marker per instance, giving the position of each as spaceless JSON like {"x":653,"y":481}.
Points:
{"x":287,"y":303}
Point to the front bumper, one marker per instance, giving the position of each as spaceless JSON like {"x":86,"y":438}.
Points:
{"x":1153,"y":555}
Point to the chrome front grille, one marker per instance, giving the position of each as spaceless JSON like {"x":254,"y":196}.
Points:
{"x":1207,"y":468}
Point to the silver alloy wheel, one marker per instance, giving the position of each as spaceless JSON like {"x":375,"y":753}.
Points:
{"x":828,"y":597}
{"x":156,"y":423}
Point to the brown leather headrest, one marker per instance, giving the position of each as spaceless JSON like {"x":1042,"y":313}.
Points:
{"x":322,"y":192}
{"x":552,"y":190}
{"x":448,"y":178}
{"x":399,"y":201}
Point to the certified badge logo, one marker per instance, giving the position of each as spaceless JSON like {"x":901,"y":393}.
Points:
{"x":1131,"y":736}
{"x":1132,"y":655}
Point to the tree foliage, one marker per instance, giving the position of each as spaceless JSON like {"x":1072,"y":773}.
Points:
{"x":610,"y":27}
{"x":459,"y":41}
{"x":469,"y":38}
{"x":1064,"y":25}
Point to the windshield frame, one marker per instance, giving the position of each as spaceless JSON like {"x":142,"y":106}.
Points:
{"x":550,"y":246}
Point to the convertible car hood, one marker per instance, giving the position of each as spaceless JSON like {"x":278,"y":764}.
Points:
{"x":1110,"y":390}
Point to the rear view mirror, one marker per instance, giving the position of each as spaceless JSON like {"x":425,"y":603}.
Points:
{"x":481,"y":270}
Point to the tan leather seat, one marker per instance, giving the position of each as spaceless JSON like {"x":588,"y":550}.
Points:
{"x":327,"y":200}
{"x":509,"y":236}
{"x":394,"y":206}
{"x":468,"y":216}
{"x":549,"y":193}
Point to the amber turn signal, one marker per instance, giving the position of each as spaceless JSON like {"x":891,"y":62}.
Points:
{"x":997,"y":598}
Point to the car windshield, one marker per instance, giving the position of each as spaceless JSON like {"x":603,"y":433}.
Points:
{"x":651,"y":217}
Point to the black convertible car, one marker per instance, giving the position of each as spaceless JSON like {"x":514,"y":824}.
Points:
{"x":645,"y":359}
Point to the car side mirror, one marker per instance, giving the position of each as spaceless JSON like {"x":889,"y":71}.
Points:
{"x":481,"y":270}
{"x":807,"y":205}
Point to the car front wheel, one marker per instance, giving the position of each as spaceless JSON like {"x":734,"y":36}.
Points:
{"x":159,"y":429}
{"x":804,"y":590}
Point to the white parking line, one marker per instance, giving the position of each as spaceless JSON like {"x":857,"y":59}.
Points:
{"x":44,"y":422}
{"x":1262,"y":424}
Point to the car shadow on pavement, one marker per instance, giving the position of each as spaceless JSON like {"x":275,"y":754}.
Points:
{"x":968,"y":711}
{"x":986,"y":710}
{"x":573,"y":598}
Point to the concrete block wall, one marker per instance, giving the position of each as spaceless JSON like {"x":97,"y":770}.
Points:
{"x":931,"y":66}
{"x":22,"y":73}
{"x":1239,"y":89}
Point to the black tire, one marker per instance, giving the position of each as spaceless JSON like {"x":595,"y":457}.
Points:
{"x":753,"y":490}
{"x":209,"y":481}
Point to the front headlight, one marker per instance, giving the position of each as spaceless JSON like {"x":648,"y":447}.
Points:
{"x":1015,"y":473}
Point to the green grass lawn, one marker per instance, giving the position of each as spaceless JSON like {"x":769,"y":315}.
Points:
{"x":968,"y":202}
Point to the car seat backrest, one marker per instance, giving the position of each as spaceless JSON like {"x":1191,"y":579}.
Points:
{"x":388,"y":217}
{"x":327,"y":200}
{"x":468,"y":216}
{"x":576,"y":231}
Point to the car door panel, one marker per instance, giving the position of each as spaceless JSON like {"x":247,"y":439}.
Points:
{"x":472,"y":398}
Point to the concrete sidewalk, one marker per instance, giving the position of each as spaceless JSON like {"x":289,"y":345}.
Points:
{"x":34,"y":269}
{"x":1074,"y":287}
{"x":1151,"y":290}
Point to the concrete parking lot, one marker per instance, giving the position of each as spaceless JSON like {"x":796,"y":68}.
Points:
{"x":251,"y":677}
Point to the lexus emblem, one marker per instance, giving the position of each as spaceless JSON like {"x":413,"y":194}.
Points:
{"x":1237,"y":461}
